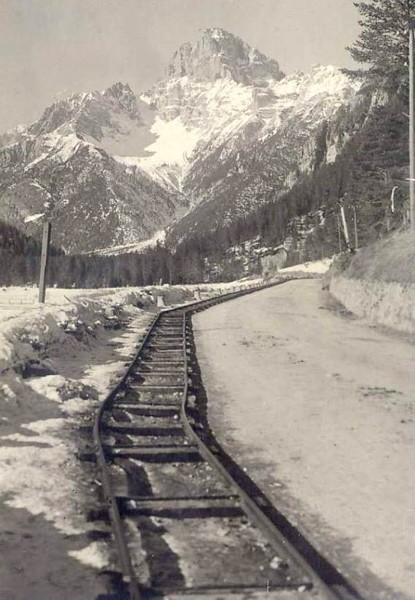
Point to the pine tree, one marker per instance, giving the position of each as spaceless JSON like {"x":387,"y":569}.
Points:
{"x":383,"y":41}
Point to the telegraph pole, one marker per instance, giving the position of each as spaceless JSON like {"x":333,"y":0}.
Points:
{"x":395,"y":187}
{"x":412,"y":124}
{"x":345,"y":228}
{"x":356,"y":237}
{"x":339,"y":233}
{"x":47,"y":228}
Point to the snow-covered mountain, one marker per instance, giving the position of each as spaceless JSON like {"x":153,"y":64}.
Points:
{"x":69,"y":156}
{"x":222,"y":132}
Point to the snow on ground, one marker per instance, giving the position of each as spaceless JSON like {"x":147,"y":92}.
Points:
{"x":318,"y":266}
{"x":158,"y":238}
{"x":25,"y":475}
{"x":44,"y":454}
{"x":94,"y":555}
{"x":20,"y":311}
{"x":42,"y":411}
{"x":67,"y":324}
{"x":319,"y":409}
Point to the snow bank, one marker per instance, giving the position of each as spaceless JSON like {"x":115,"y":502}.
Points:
{"x":27,"y":327}
{"x":380,"y":302}
{"x":46,"y":399}
{"x":378,"y":282}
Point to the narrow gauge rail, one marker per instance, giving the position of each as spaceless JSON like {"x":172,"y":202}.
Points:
{"x":182,"y":523}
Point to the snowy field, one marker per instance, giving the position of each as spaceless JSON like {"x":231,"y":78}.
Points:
{"x":57,"y":363}
{"x":19,"y":306}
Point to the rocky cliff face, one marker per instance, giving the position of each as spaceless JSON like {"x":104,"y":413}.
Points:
{"x":223,"y":132}
{"x":261,"y":141}
{"x":247,"y":131}
{"x":90,"y":114}
{"x":221,"y":55}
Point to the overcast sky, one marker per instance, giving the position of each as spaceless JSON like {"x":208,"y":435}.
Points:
{"x":52,"y":48}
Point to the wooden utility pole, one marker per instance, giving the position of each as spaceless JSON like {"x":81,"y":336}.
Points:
{"x":412,"y":124}
{"x":339,"y":233}
{"x":395,"y":187}
{"x":47,"y":228}
{"x":345,"y":228}
{"x":356,"y":238}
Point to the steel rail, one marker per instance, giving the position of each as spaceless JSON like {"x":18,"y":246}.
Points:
{"x":251,"y":508}
{"x":127,"y":569}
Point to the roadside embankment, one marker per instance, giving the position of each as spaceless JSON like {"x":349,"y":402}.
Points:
{"x":378,"y":283}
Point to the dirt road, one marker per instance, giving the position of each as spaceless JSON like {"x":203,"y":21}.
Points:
{"x":320,"y":409}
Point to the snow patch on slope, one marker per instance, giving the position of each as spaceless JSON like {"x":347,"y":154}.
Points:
{"x":158,"y":238}
{"x":194,"y":115}
{"x":174,"y":144}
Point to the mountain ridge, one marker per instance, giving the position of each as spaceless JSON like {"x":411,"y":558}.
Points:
{"x":220,"y":134}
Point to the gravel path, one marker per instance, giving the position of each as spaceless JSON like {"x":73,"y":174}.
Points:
{"x":319,"y":408}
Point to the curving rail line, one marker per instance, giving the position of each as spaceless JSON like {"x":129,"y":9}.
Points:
{"x":186,"y":520}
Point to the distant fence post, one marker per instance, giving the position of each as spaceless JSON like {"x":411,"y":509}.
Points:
{"x":339,"y":233}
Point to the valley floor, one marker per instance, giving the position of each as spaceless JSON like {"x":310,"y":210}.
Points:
{"x":319,"y":408}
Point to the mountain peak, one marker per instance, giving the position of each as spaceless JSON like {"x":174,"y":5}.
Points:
{"x":217,"y":33}
{"x":124,"y":97}
{"x":218,"y":54}
{"x":119,"y":90}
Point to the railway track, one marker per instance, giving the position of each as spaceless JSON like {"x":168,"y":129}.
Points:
{"x":186,"y":520}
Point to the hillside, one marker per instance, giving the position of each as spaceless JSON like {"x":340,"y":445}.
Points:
{"x":390,"y":260}
{"x":378,"y":283}
{"x":372,"y":165}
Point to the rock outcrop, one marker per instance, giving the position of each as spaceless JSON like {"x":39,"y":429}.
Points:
{"x":220,"y":55}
